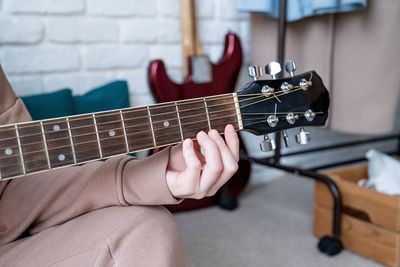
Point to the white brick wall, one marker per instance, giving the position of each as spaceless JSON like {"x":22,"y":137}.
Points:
{"x":47,"y":45}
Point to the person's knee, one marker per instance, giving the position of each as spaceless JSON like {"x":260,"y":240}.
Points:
{"x":161,"y":223}
{"x":150,"y":237}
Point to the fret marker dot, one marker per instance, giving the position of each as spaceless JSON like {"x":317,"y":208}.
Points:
{"x":61,"y":157}
{"x":8,"y":151}
{"x":166,"y":123}
{"x":56,"y":127}
{"x":111,"y":133}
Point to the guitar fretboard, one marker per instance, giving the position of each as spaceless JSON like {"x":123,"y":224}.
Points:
{"x":37,"y":146}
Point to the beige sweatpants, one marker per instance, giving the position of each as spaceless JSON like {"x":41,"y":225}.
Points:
{"x":113,"y":236}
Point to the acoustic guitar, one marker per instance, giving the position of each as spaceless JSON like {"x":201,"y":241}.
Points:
{"x":262,"y":107}
{"x":203,"y":78}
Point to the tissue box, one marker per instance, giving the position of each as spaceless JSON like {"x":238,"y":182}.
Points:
{"x":370,"y":220}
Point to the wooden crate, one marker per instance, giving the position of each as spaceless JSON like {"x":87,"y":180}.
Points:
{"x":371,"y":220}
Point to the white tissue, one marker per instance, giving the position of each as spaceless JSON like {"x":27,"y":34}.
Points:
{"x":383,"y":172}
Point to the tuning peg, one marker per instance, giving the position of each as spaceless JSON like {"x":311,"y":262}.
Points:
{"x":285,"y":138}
{"x":303,"y":137}
{"x":255,"y":72}
{"x":309,"y":115}
{"x":290,"y":67}
{"x":267,"y":144}
{"x":273,"y":68}
{"x":291,"y":118}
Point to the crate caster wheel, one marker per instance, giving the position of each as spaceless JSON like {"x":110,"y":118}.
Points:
{"x":227,"y":202}
{"x":330,"y":245}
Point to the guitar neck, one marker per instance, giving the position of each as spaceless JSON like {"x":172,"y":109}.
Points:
{"x":190,"y":41}
{"x":37,"y":146}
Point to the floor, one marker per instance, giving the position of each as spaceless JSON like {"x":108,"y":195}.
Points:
{"x":272,"y":227}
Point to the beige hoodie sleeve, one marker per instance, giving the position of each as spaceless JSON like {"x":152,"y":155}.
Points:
{"x":39,"y":201}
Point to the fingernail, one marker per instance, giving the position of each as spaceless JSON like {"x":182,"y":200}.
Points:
{"x":188,"y":142}
{"x":202,"y":134}
{"x":214,"y":133}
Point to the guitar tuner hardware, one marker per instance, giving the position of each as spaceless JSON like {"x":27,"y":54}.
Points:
{"x":305,"y":84}
{"x":290,"y":67}
{"x":272,"y":69}
{"x":309,"y":115}
{"x":267,"y":90}
{"x":303,"y":137}
{"x":267,"y":144}
{"x":255,"y":72}
{"x":272,"y":120}
{"x":291,"y":118}
{"x":286,"y":86}
{"x":285,"y":138}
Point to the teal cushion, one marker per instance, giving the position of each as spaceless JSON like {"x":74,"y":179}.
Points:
{"x":114,"y":95}
{"x":49,"y":105}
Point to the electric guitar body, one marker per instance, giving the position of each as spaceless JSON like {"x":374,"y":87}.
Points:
{"x":203,"y":78}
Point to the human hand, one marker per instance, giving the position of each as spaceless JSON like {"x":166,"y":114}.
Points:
{"x":192,"y":175}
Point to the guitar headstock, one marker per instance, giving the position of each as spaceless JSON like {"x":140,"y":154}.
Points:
{"x":273,"y":105}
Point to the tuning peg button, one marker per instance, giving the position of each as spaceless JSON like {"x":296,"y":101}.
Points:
{"x":273,"y":68}
{"x":290,"y":67}
{"x":255,"y":72}
{"x":267,"y":144}
{"x":303,"y":137}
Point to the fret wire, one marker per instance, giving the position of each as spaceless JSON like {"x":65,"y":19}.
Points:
{"x":219,"y":97}
{"x":71,"y":141}
{"x":98,"y":137}
{"x":263,"y":119}
{"x":208,"y":116}
{"x":179,"y":120}
{"x":210,"y":106}
{"x":45,"y":145}
{"x":156,"y":106}
{"x":154,"y":115}
{"x":150,"y":147}
{"x":237,"y":106}
{"x":151,"y":125}
{"x":283,"y":113}
{"x":123,"y":127}
{"x":20,"y":150}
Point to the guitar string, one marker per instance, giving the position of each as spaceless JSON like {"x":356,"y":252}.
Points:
{"x":190,"y":102}
{"x":144,"y":131}
{"x":116,"y":121}
{"x":128,"y":120}
{"x":134,"y":110}
{"x":251,"y":103}
{"x":137,"y":133}
{"x":105,"y":147}
{"x":95,"y":148}
{"x":186,"y":101}
{"x":117,"y":114}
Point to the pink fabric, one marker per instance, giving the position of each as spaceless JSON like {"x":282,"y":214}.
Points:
{"x":47,"y":201}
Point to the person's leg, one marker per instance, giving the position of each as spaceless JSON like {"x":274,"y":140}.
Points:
{"x":114,"y":236}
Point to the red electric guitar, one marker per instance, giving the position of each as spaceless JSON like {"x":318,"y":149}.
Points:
{"x":202,"y":78}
